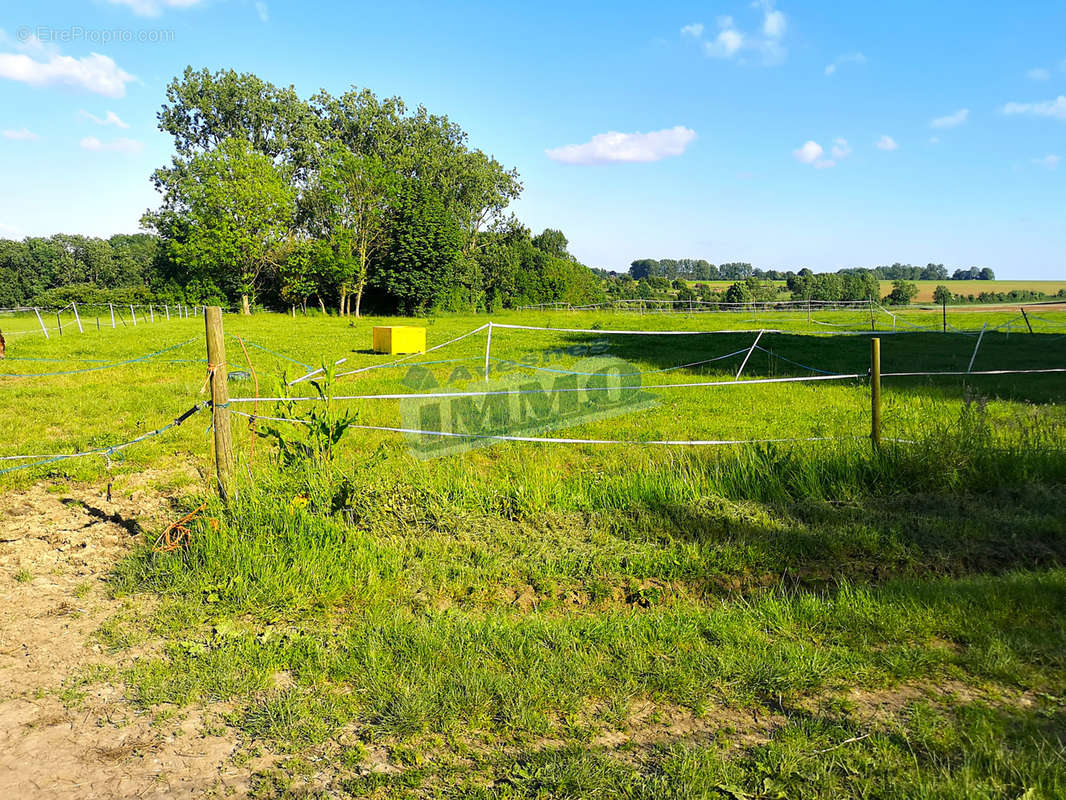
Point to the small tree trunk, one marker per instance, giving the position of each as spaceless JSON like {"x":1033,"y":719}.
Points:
{"x":358,"y":299}
{"x":246,"y":309}
{"x":344,"y":301}
{"x":321,"y":304}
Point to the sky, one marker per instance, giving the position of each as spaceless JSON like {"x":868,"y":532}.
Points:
{"x":786,"y":134}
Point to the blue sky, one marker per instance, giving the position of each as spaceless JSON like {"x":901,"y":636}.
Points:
{"x":787,"y":134}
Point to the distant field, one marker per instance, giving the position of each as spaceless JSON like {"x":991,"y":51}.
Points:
{"x":926,"y":288}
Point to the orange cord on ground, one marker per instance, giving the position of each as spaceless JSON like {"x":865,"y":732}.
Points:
{"x":176,"y":534}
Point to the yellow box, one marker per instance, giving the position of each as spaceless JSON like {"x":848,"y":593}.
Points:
{"x":399,"y":339}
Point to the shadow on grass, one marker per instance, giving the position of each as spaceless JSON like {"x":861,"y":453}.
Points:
{"x":816,"y":544}
{"x":903,"y":352}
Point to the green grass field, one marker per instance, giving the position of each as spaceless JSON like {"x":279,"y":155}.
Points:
{"x":774,"y":619}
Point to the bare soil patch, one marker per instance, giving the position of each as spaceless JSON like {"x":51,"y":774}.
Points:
{"x":57,"y":543}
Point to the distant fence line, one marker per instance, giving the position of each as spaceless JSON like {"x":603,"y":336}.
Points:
{"x":163,"y":310}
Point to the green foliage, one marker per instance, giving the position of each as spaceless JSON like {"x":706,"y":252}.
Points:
{"x":351,"y":207}
{"x":418,"y":269}
{"x":311,"y":439}
{"x":345,"y":159}
{"x":902,"y":293}
{"x":239,"y":207}
{"x":942,"y":295}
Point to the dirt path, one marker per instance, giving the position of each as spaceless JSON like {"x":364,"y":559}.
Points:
{"x":57,"y":543}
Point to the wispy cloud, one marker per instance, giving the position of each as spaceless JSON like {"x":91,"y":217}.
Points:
{"x":122,"y":145}
{"x":93,"y":73}
{"x":21,"y":135}
{"x":847,"y":58}
{"x":262,"y":10}
{"x":1050,"y":161}
{"x":110,"y":118}
{"x":1038,"y":74}
{"x":1049,"y":108}
{"x":841,"y":149}
{"x":731,"y":41}
{"x":951,"y":120}
{"x":614,"y":147}
{"x":153,"y":8}
{"x":886,"y":143}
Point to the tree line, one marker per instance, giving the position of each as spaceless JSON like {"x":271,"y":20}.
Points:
{"x":701,"y":270}
{"x":347,"y":201}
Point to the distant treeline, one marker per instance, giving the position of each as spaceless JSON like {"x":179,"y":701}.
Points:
{"x":137,"y":268}
{"x":693,"y":269}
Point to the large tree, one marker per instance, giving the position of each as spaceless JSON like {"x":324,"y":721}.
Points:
{"x":351,"y":205}
{"x":425,"y":246}
{"x":237,"y":207}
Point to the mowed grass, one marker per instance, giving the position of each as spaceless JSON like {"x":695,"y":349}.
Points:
{"x":778,"y":619}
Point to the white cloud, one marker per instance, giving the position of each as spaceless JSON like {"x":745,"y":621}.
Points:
{"x":934,"y":140}
{"x":725,"y":45}
{"x":774,"y":24}
{"x":110,"y":118}
{"x":262,"y":10}
{"x":1038,"y":74}
{"x":809,"y":153}
{"x":21,"y":135}
{"x":153,"y":8}
{"x":695,"y":30}
{"x":1049,"y":161}
{"x":614,"y":147}
{"x":951,"y":120}
{"x":847,"y":58}
{"x":841,"y":149}
{"x":9,"y":232}
{"x":122,"y":145}
{"x":886,"y":143}
{"x":812,"y":153}
{"x":93,"y":73}
{"x":1049,"y":108}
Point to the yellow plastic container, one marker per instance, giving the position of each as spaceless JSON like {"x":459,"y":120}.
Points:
{"x":399,"y":339}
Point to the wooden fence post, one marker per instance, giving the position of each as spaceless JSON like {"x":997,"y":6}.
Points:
{"x":217,"y":377}
{"x":875,"y":391}
{"x":59,"y":323}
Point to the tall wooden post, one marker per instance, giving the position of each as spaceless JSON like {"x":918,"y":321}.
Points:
{"x":59,"y":323}
{"x":875,"y":391}
{"x":217,"y":374}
